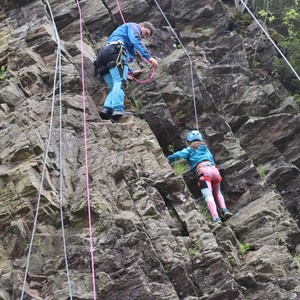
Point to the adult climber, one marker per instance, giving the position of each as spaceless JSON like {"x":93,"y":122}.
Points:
{"x":202,"y":163}
{"x":112,"y":63}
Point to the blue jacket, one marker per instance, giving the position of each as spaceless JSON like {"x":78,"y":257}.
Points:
{"x":130,"y":35}
{"x":194,"y":157}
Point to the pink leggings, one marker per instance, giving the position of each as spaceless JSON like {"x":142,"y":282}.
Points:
{"x":210,"y":182}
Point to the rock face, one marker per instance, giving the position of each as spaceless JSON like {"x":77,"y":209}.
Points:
{"x":151,"y":238}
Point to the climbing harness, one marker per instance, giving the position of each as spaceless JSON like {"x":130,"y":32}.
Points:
{"x":57,"y":69}
{"x":268,"y":36}
{"x":200,"y":166}
{"x":86,"y":153}
{"x":119,"y":57}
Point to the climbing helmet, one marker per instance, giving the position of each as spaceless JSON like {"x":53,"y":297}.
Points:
{"x":194,"y":135}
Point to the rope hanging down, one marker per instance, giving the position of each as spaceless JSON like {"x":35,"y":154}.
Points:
{"x":152,"y":72}
{"x":61,"y":154}
{"x":268,"y":36}
{"x":42,"y":179}
{"x":190,"y":61}
{"x":57,"y":67}
{"x":86,"y":153}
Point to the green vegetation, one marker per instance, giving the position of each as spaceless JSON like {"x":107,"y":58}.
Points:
{"x":171,"y":149}
{"x":263,"y":13}
{"x":180,"y":167}
{"x":244,"y":290}
{"x":180,"y":115}
{"x":261,"y":170}
{"x":297,"y":258}
{"x":297,"y":98}
{"x":193,"y":249}
{"x":137,"y":104}
{"x":273,"y":186}
{"x":2,"y":73}
{"x":291,"y":43}
{"x":244,"y":248}
{"x":204,"y":211}
{"x":281,"y":19}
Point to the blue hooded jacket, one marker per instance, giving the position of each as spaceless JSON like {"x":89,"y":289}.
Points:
{"x":194,"y":157}
{"x":130,"y":35}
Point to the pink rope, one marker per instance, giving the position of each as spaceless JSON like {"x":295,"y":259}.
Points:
{"x":86,"y":154}
{"x":153,"y":72}
{"x":146,"y":80}
{"x":119,"y":8}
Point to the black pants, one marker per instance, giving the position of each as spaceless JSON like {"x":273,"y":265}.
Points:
{"x":107,"y":58}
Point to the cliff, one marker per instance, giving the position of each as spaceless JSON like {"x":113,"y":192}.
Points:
{"x":151,"y":236}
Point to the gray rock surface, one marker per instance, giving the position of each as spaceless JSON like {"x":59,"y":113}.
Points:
{"x":151,"y":236}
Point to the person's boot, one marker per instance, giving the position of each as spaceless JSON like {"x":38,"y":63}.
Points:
{"x":226,"y":214}
{"x":117,"y":114}
{"x":106,"y":113}
{"x":217,"y":221}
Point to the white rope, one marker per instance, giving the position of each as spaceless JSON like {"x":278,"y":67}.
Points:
{"x":190,"y":61}
{"x":268,"y":36}
{"x":61,"y":153}
{"x":42,"y":179}
{"x":57,"y":67}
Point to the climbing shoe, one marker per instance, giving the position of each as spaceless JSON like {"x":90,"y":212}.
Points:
{"x":226,"y":214}
{"x":217,"y":221}
{"x":106,"y":113}
{"x":117,"y":114}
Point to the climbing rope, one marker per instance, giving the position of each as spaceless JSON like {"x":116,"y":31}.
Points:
{"x":190,"y":61}
{"x":120,"y":11}
{"x":42,"y":179}
{"x":268,"y":36}
{"x":86,"y":153}
{"x":153,"y":72}
{"x":61,"y":152}
{"x":57,"y":67}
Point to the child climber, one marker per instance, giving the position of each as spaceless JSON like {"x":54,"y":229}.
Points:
{"x":202,"y":163}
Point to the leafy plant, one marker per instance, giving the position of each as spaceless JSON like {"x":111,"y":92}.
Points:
{"x":270,"y":17}
{"x":273,"y":186}
{"x":244,"y":290}
{"x":137,"y":104}
{"x":2,"y":72}
{"x":180,"y":115}
{"x":297,"y":98}
{"x":171,"y":149}
{"x":297,"y":258}
{"x":256,"y":64}
{"x":244,"y":247}
{"x":290,"y":45}
{"x":180,"y":167}
{"x":193,"y":249}
{"x":261,"y":170}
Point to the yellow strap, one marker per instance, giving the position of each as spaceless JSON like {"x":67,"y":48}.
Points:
{"x":119,"y":58}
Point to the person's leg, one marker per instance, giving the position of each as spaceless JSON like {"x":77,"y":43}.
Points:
{"x":206,"y":190}
{"x":107,"y":110}
{"x":218,"y":195}
{"x":216,"y":190}
{"x":119,"y":76}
